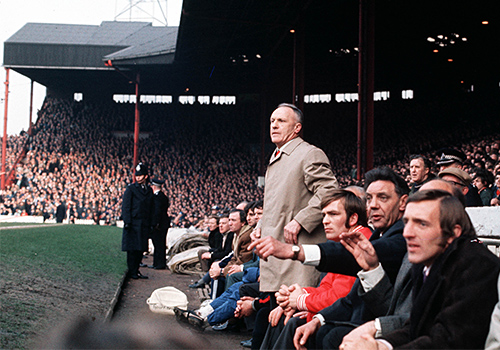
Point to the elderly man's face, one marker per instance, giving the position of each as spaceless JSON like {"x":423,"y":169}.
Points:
{"x":423,"y":233}
{"x":284,"y":126}
{"x":418,"y":171}
{"x":456,"y":182}
{"x":223,"y":225}
{"x":235,"y":223}
{"x":384,"y":205}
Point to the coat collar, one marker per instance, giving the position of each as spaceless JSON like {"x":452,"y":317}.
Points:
{"x":290,"y":147}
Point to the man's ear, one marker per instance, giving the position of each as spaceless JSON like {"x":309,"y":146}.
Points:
{"x":297,"y":128}
{"x":457,"y":232}
{"x":353,"y":219}
{"x":402,"y":202}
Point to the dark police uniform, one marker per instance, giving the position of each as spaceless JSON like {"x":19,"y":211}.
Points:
{"x":136,"y":214}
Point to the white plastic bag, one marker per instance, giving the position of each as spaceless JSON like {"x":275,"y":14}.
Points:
{"x":164,"y":300}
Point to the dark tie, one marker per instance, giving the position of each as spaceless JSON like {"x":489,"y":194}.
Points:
{"x":277,"y":153}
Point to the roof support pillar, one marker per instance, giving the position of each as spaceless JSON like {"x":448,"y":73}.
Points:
{"x":137,"y":120}
{"x":4,"y":138}
{"x":298,"y":67}
{"x":365,"y":86}
{"x":31,"y":110}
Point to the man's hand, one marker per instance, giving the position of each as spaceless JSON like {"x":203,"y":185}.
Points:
{"x":206,"y":256}
{"x":365,"y":342}
{"x":361,"y":248}
{"x":244,"y":307}
{"x":215,"y":270}
{"x":265,"y":247}
{"x":303,"y":333}
{"x":291,"y":232}
{"x":354,"y":335}
{"x":275,"y":316}
{"x":234,"y":269}
{"x":295,"y":290}
{"x":255,"y":235}
{"x":282,"y":296}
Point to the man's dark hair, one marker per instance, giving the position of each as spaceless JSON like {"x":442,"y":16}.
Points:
{"x":243,"y":217}
{"x":352,"y":205}
{"x":224,"y":215}
{"x":451,"y":211}
{"x":298,"y":113}
{"x":387,"y":174}
{"x":258,"y":204}
{"x":214,"y":217}
{"x":427,"y":162}
{"x":250,"y":205}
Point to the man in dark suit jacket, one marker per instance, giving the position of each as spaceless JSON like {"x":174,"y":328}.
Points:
{"x":450,"y":269}
{"x":160,"y":223}
{"x":136,"y":213}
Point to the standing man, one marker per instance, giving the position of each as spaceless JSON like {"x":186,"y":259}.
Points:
{"x":420,"y":172}
{"x":136,"y":214}
{"x":299,"y":175}
{"x":160,"y":223}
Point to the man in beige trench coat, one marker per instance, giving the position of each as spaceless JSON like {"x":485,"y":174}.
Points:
{"x":297,"y":178}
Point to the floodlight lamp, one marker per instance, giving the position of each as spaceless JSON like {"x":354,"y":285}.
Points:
{"x":440,"y":36}
{"x":258,"y":56}
{"x":292,"y":31}
{"x":464,"y":39}
{"x":431,"y":39}
{"x":485,"y":22}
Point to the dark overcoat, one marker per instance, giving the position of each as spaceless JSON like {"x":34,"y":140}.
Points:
{"x":452,"y":309}
{"x":160,"y":219}
{"x":136,"y":214}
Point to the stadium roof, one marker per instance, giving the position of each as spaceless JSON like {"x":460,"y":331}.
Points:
{"x":73,"y":56}
{"x":232,"y":47}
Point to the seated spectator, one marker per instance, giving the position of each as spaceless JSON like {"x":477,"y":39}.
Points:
{"x":482,"y":182}
{"x":218,"y":253}
{"x":241,"y":232}
{"x":242,"y":258}
{"x":495,"y":200}
{"x":214,"y":242}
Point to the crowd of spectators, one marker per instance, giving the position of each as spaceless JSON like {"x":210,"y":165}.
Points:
{"x":80,"y":154}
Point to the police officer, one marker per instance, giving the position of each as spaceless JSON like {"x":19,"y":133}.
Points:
{"x":161,"y":223}
{"x":136,"y":214}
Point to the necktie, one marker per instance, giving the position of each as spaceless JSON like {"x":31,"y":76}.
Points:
{"x":277,"y":153}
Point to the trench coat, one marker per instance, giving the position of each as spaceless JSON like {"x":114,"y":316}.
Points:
{"x":296,"y":181}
